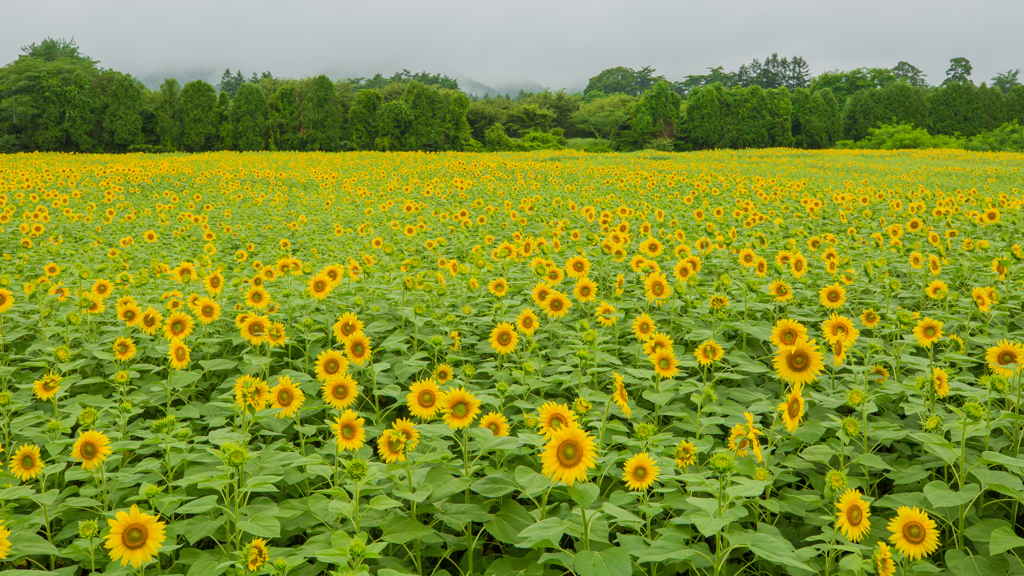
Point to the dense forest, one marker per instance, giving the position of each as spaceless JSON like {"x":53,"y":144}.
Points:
{"x":55,"y":98}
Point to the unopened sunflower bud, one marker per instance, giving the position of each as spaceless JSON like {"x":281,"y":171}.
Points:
{"x":87,"y":529}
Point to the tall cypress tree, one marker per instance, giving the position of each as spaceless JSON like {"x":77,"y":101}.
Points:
{"x":122,"y":117}
{"x":249,"y":116}
{"x":364,"y":118}
{"x":168,"y":115}
{"x":704,"y":118}
{"x":200,"y":115}
{"x":320,"y":115}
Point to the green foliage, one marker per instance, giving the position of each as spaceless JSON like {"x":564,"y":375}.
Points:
{"x":553,"y":140}
{"x":897,"y":102}
{"x":1007,"y":138}
{"x":780,"y":116}
{"x":959,"y":72}
{"x":225,"y":125}
{"x":775,"y":72}
{"x":364,"y":118}
{"x":249,"y":117}
{"x":814,"y":120}
{"x":485,"y":112}
{"x":284,"y":116}
{"x":123,"y":113}
{"x":320,"y":115}
{"x":1006,"y":81}
{"x":958,"y":108}
{"x":53,"y":49}
{"x":705,"y":119}
{"x":622,"y":80}
{"x":654,"y":115}
{"x":496,"y":140}
{"x":199,"y":116}
{"x":396,"y":122}
{"x":605,"y":116}
{"x":528,"y":117}
{"x":169,"y":115}
{"x":912,"y":75}
{"x":596,"y":145}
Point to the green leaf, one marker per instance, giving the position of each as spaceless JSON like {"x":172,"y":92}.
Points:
{"x":584,"y":493}
{"x":506,"y":525}
{"x":546,"y":532}
{"x":260,"y":523}
{"x":400,"y":529}
{"x":493,"y":486}
{"x":673,"y":545}
{"x":199,"y":505}
{"x":218,"y":364}
{"x":612,"y":561}
{"x":939,"y":494}
{"x":774,"y":549}
{"x":1004,"y":539}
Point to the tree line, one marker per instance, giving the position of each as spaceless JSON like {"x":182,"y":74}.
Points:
{"x":54,"y":98}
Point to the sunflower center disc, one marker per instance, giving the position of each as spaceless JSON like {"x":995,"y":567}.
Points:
{"x":347,"y":431}
{"x":426,"y":398}
{"x":28,"y":462}
{"x":854,"y":516}
{"x":569,"y":453}
{"x":798,"y":360}
{"x":460,"y":409}
{"x":88,"y":450}
{"x":284,"y":398}
{"x":135,"y":537}
{"x":793,"y":408}
{"x":914,"y":532}
{"x":640,"y":473}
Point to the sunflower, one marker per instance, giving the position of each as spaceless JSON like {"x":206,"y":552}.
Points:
{"x":657,"y":341}
{"x":391,"y":446}
{"x":460,"y":408}
{"x":251,"y":392}
{"x":605,"y":314}
{"x":102,"y":288}
{"x":577,"y":267}
{"x":424,"y":399}
{"x":129,"y":313}
{"x":287,"y":396}
{"x":443,"y":373}
{"x":780,"y":290}
{"x":358,"y":348}
{"x":503,"y":338}
{"x":553,"y":417}
{"x":914,"y":534}
{"x":348,"y":431}
{"x":124,"y":349}
{"x":496,"y":423}
{"x":207,"y":310}
{"x":884,"y":565}
{"x":640,"y":471}
{"x":799,"y":363}
{"x":340,"y":391}
{"x":656,"y":286}
{"x":936,"y":289}
{"x":839,"y":329}
{"x":329,"y":364}
{"x":682,"y":270}
{"x":852,"y":518}
{"x":1005,"y":358}
{"x":585,"y":290}
{"x":798,"y":265}
{"x":256,"y":554}
{"x":739,"y":444}
{"x":540,"y":293}
{"x":568,"y":455}
{"x":91,"y":448}
{"x":346,"y":326}
{"x":869,"y":318}
{"x":832,"y":297}
{"x":5,"y":543}
{"x":47,"y":387}
{"x":685,"y":454}
{"x":664,"y":361}
{"x":709,"y":351}
{"x":276,"y":335}
{"x":408,"y":431}
{"x":214,"y":283}
{"x":498,"y":287}
{"x":927,"y":332}
{"x":134,"y":537}
{"x":319,"y":287}
{"x":178,"y":355}
{"x":718,"y":301}
{"x":747,"y":258}
{"x":257,"y":297}
{"x":787,"y":333}
{"x":178,"y":326}
{"x":980,"y":297}
{"x":526,"y":322}
{"x":793,"y":408}
{"x":556,"y":305}
{"x":619,"y":396}
{"x":643,"y":327}
{"x":940,"y":382}
{"x":255,"y":329}
{"x":26,"y":463}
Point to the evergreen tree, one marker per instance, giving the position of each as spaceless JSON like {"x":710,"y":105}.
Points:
{"x":168,"y":115}
{"x":122,"y":117}
{"x":907,"y":72}
{"x":320,"y":115}
{"x":225,"y":126}
{"x":428,"y":109}
{"x":780,"y":114}
{"x":957,"y":109}
{"x":199,"y":116}
{"x":396,"y":121}
{"x":284,"y":116}
{"x":655,"y":114}
{"x":704,"y":118}
{"x":1013,"y":105}
{"x":959,"y":72}
{"x":364,"y":118}
{"x":249,"y":117}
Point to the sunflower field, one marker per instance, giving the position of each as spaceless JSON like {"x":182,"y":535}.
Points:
{"x":718,"y":363}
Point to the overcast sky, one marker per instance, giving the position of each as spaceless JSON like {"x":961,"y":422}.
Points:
{"x":554,"y":43}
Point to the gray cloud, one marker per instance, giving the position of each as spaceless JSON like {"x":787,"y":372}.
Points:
{"x":558,"y":44}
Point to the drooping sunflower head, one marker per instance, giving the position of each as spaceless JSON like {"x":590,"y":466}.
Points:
{"x":793,"y":408}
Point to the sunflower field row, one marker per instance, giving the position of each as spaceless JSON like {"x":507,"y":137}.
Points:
{"x":759,"y":362}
